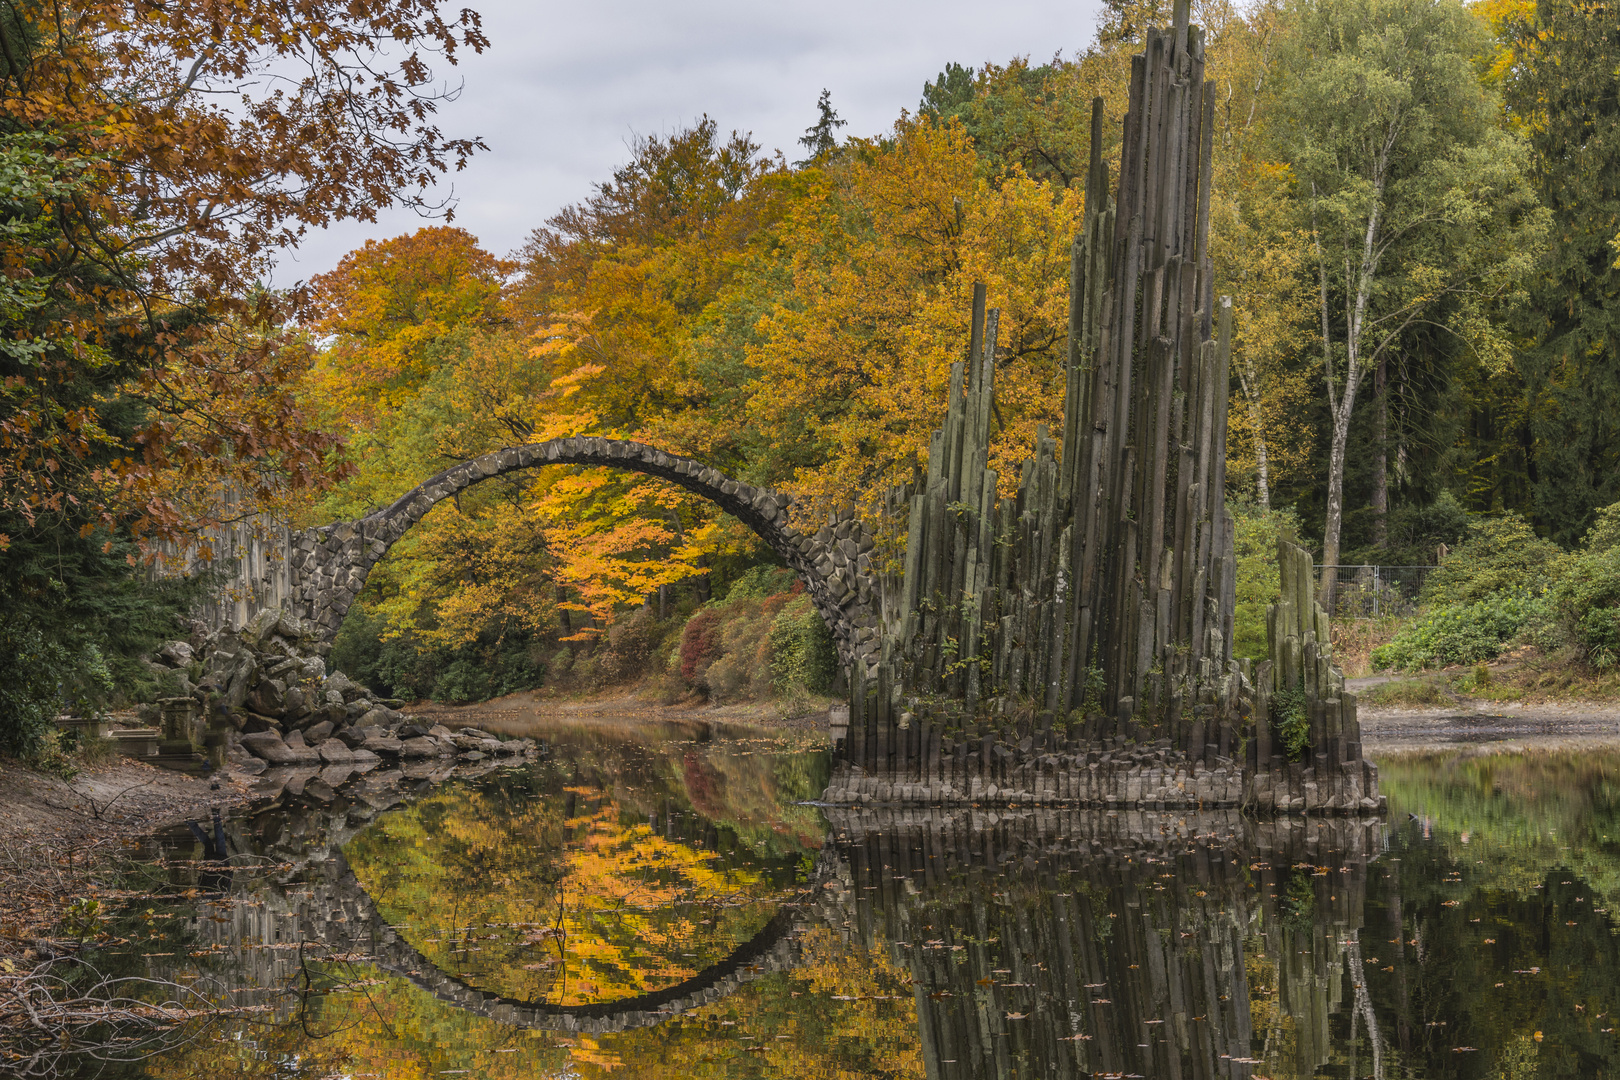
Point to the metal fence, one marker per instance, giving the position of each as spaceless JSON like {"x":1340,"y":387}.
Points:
{"x":1364,"y":592}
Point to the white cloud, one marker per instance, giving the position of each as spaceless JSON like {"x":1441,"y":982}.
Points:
{"x":563,"y":89}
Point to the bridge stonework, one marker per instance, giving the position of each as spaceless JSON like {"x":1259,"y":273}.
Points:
{"x":330,"y":564}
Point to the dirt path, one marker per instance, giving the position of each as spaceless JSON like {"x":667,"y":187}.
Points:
{"x":1493,"y":725}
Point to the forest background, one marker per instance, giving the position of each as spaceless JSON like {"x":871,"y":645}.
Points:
{"x":1416,"y":213}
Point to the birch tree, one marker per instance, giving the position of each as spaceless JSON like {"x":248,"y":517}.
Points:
{"x":1413,"y":192}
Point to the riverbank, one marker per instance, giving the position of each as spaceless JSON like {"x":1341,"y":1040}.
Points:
{"x":1501,"y":727}
{"x":57,"y":837}
{"x":512,"y":714}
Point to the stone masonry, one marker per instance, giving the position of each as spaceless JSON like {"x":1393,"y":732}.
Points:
{"x":330,"y":564}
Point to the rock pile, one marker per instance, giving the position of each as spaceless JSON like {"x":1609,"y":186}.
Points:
{"x":269,"y":683}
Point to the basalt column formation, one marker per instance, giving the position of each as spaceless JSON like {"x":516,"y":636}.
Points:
{"x":1047,"y":942}
{"x":1071,"y":641}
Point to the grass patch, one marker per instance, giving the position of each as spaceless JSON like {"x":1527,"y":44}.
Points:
{"x":1558,"y":676}
{"x":1355,"y":639}
{"x":1409,"y":693}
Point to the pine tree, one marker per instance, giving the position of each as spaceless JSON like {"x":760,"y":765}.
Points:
{"x":821,"y":138}
{"x":1566,"y":88}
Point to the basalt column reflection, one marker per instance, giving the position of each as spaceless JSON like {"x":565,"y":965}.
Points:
{"x":1127,"y":944}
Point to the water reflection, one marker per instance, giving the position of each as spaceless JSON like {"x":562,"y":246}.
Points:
{"x":593,"y":916}
{"x":1066,"y":944}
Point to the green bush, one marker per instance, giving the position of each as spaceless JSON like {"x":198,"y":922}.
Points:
{"x":1255,"y":535}
{"x":31,"y":690}
{"x":803,"y":656}
{"x":1501,"y":553}
{"x":1415,"y":534}
{"x":1463,"y":633}
{"x":1587,"y":592}
{"x":402,"y":666}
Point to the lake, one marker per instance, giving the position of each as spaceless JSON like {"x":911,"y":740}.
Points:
{"x":662,"y":899}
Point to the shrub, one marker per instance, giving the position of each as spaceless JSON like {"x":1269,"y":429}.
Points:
{"x":761,"y":581}
{"x":1255,"y":545}
{"x":803,"y":657}
{"x":1587,"y":592}
{"x":31,"y":691}
{"x":1501,"y":553}
{"x":1463,"y":633}
{"x":700,"y":645}
{"x":1416,"y":532}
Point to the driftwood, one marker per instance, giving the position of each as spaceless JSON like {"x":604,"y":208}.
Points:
{"x":1092,"y":610}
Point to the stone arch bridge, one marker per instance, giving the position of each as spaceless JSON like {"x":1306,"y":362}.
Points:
{"x":329,"y":564}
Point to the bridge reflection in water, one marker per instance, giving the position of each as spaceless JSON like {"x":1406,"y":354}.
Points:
{"x":1037,"y":942}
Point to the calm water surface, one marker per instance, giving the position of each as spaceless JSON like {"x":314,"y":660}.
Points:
{"x":657,"y":900}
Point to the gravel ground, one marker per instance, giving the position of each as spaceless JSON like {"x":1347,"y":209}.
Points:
{"x":1490,"y":725}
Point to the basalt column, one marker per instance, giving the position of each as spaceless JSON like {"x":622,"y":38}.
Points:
{"x":1068,"y":637}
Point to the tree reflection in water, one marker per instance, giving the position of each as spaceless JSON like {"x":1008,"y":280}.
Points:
{"x":985,"y":943}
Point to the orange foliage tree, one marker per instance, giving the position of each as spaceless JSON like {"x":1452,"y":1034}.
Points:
{"x":199,"y":137}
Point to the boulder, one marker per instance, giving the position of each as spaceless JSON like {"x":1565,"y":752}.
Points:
{"x":362,"y":756}
{"x":290,"y":626}
{"x":294,"y":702}
{"x":334,"y":752}
{"x":259,"y":627}
{"x":386,"y":745}
{"x":380,"y":718}
{"x":177,"y":653}
{"x":439,"y":731}
{"x":269,"y":746}
{"x":340,"y":684}
{"x":351,"y":737}
{"x":267,"y":697}
{"x":316,"y":734}
{"x":477,"y":733}
{"x":469,"y":743}
{"x":412,"y":730}
{"x":474,"y":755}
{"x":419,"y":747}
{"x":253,"y":722}
{"x":287,"y":669}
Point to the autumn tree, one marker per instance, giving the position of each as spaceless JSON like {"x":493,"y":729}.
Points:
{"x":155,"y":156}
{"x":620,"y":292}
{"x":883,"y":249}
{"x":1415,"y":196}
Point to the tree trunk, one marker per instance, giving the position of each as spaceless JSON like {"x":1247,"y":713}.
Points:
{"x":1343,"y":405}
{"x":1335,"y":503}
{"x":1249,"y":382}
{"x":1380,"y":497}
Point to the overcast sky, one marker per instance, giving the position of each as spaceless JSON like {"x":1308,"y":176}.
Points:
{"x":564,"y":87}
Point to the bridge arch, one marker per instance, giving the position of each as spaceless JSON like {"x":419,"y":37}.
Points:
{"x":822,"y":901}
{"x":330,"y":564}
